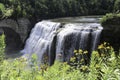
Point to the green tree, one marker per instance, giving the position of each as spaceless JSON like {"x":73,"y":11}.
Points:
{"x":117,"y":6}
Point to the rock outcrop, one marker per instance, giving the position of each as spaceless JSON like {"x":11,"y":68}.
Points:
{"x":111,"y":34}
{"x":16,"y":32}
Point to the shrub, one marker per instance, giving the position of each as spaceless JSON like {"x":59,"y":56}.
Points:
{"x":111,"y":19}
{"x":117,"y":5}
{"x":5,"y":12}
{"x":104,"y":65}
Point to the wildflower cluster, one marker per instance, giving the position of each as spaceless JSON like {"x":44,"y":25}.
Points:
{"x":103,"y":62}
{"x":80,"y":59}
{"x":105,"y":49}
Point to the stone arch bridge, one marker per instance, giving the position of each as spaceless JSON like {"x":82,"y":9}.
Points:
{"x":16,"y":32}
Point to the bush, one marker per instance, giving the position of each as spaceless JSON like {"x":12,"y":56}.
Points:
{"x":58,"y":8}
{"x":111,"y":19}
{"x":104,"y":65}
{"x":5,"y":12}
{"x":117,"y":5}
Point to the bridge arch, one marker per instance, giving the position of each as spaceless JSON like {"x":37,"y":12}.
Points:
{"x":12,"y":40}
{"x":16,"y":32}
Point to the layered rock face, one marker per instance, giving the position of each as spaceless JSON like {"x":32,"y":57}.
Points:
{"x":16,"y":32}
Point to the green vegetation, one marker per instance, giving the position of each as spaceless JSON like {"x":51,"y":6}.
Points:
{"x":104,"y":65}
{"x":117,"y":5}
{"x":2,"y":47}
{"x":56,"y":8}
{"x":111,"y":19}
{"x":5,"y":12}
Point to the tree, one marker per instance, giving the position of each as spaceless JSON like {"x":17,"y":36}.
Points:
{"x":117,"y":6}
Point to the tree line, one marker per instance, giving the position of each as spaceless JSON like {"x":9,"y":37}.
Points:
{"x":56,"y":8}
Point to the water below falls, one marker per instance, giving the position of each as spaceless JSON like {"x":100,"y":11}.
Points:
{"x":52,"y":41}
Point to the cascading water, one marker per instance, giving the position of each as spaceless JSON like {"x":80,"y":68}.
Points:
{"x":75,"y":36}
{"x":47,"y":39}
{"x":41,"y":40}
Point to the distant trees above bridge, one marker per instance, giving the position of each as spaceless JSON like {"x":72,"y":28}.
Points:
{"x":56,"y":8}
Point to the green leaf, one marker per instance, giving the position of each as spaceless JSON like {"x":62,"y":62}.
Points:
{"x":2,"y":8}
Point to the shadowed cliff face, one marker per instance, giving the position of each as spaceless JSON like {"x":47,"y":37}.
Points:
{"x":111,"y":34}
{"x":12,"y":40}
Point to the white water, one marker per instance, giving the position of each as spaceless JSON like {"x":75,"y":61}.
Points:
{"x":40,"y":39}
{"x":47,"y":39}
{"x":75,"y":36}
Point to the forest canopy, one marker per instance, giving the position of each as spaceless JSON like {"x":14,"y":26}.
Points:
{"x":56,"y":8}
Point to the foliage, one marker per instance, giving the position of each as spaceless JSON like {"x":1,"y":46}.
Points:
{"x":2,"y":56}
{"x":111,"y":19}
{"x":56,"y":8}
{"x":2,"y":9}
{"x":79,"y":59}
{"x":117,"y":6}
{"x":2,"y":47}
{"x":5,"y":12}
{"x":104,"y":65}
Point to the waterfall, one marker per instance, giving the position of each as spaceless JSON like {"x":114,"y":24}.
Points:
{"x":74,"y":37}
{"x":47,"y":39}
{"x":40,"y":40}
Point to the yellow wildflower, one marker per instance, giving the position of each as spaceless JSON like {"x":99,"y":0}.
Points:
{"x":85,"y":52}
{"x":80,"y":51}
{"x":75,"y":51}
{"x":82,"y":60}
{"x":84,"y":68}
{"x":105,"y":43}
{"x":108,"y":47}
{"x":72,"y":59}
{"x":100,"y":46}
{"x":102,"y":55}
